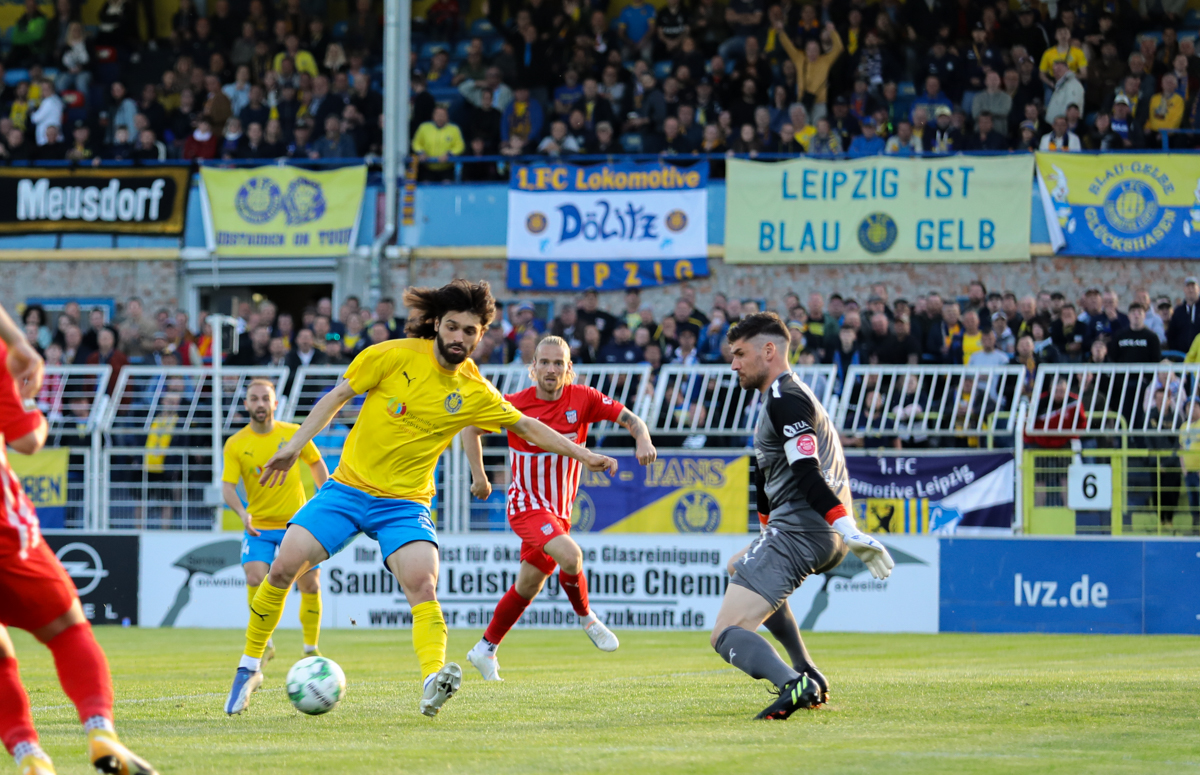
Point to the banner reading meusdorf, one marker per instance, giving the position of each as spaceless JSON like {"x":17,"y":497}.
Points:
{"x":606,"y":226}
{"x":282,"y":211}
{"x":882,"y":208}
{"x":1123,"y":205}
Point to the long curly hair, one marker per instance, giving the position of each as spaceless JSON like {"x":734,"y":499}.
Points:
{"x":427,"y":305}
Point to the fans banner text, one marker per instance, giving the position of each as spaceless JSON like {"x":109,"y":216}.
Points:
{"x":44,"y":477}
{"x":952,"y":208}
{"x":151,"y":201}
{"x":959,"y":494}
{"x":606,"y":226}
{"x":1123,"y":205}
{"x":282,"y":211}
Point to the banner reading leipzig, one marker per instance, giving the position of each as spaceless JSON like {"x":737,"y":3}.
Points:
{"x":282,"y":211}
{"x":1123,"y":205}
{"x":967,"y":493}
{"x":882,"y":208}
{"x":606,"y":226}
{"x":151,"y":201}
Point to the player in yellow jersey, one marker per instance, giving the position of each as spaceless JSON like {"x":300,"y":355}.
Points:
{"x":421,"y":391}
{"x":266,"y":515}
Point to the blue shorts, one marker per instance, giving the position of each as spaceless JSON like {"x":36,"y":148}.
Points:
{"x":338,"y":513}
{"x":263,"y":547}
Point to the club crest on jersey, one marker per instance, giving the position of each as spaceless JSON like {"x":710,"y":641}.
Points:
{"x":807,"y":445}
{"x":454,"y":402}
{"x":572,"y":416}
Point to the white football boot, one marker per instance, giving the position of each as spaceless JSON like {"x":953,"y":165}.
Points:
{"x":603,"y":637}
{"x":485,"y":662}
{"x":440,"y":687}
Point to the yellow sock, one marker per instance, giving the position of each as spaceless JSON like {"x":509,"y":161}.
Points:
{"x":265,"y":610}
{"x":310,"y":617}
{"x":429,"y":636}
{"x":251,"y":591}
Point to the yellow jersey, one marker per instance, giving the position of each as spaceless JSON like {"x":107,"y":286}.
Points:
{"x":245,"y":454}
{"x":412,"y":411}
{"x":1075,"y":58}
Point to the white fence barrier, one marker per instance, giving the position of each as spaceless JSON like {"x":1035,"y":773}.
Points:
{"x":1110,"y":399}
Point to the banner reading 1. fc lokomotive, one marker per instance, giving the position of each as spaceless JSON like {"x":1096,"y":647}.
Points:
{"x":1123,"y":205}
{"x":882,"y":208}
{"x":606,"y":226}
{"x":282,"y":211}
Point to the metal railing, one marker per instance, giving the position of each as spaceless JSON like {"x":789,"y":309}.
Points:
{"x":1110,"y":399}
{"x":918,"y":402}
{"x":178,"y":399}
{"x":708,"y":401}
{"x":161,"y":488}
{"x":74,"y":400}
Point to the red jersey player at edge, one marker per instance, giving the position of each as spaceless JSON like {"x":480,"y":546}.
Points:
{"x":542,"y":492}
{"x":37,"y":596}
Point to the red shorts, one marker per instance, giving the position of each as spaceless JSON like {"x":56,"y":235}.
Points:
{"x":34,"y":591}
{"x":536,"y":529}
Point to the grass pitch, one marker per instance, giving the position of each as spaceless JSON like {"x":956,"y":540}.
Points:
{"x":663,"y":703}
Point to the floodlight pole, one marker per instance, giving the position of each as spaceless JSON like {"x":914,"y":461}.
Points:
{"x":218,"y":440}
{"x":397,"y":43}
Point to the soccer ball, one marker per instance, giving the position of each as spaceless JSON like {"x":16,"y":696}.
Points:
{"x":315,"y":685}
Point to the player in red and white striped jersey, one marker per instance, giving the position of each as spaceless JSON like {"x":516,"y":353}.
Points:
{"x":36,"y":594}
{"x":543,"y":491}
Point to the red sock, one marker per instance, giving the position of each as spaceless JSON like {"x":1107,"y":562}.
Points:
{"x":576,"y":588}
{"x":16,"y":725}
{"x":508,"y":611}
{"x":83,"y":671}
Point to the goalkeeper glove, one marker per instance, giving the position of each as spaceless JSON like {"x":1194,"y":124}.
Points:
{"x":872,"y":553}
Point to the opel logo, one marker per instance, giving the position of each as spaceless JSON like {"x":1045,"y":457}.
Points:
{"x":91,"y":568}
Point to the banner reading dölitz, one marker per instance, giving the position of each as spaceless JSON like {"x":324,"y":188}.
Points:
{"x":606,"y":226}
{"x":1123,"y":205}
{"x":282,"y":211}
{"x":882,"y":208}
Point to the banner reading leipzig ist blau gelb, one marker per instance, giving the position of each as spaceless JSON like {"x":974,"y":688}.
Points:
{"x":882,"y":208}
{"x":282,"y":211}
{"x":606,"y":226}
{"x":1124,"y":205}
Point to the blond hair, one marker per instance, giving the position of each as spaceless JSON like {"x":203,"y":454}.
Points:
{"x":260,"y":382}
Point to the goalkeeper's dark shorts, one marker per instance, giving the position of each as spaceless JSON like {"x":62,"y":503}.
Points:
{"x":779,"y":561}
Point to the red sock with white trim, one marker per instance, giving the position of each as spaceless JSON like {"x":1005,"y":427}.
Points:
{"x":16,"y":723}
{"x":575,"y":585}
{"x":83,"y":673}
{"x":508,"y":611}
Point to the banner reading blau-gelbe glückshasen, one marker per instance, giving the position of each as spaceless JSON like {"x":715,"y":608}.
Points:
{"x":607,"y":226}
{"x":1123,"y":205}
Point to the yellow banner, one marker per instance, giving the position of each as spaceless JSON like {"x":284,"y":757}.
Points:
{"x":43,"y":475}
{"x":282,"y":211}
{"x":881,"y":208}
{"x":1123,"y":205}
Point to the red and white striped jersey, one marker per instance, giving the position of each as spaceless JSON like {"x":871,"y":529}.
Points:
{"x":18,"y":521}
{"x":544,"y":481}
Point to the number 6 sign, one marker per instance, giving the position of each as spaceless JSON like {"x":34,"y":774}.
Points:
{"x":1089,"y":487}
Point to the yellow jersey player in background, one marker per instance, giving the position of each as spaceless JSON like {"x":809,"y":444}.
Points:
{"x":266,"y":515}
{"x":421,"y":391}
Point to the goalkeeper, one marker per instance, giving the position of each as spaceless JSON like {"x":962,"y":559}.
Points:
{"x":804,"y":488}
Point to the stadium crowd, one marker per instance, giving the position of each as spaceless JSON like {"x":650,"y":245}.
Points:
{"x":978,"y":327}
{"x":264,"y":80}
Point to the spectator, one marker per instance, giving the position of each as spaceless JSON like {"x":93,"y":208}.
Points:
{"x":202,"y":143}
{"x":54,"y":149}
{"x":1061,"y":138}
{"x":1062,"y":52}
{"x":305,"y":353}
{"x":1184,"y":325}
{"x":1070,"y":336}
{"x":993,"y":100}
{"x":558,"y":142}
{"x":1166,"y":109}
{"x":438,"y":140}
{"x":522,"y":119}
{"x":846,"y":353}
{"x":985,"y":138}
{"x":968,"y":341}
{"x":1136,"y":343}
{"x":336,"y":145}
{"x":106,"y":353}
{"x":868,"y":143}
{"x":621,"y":349}
{"x":81,"y":148}
{"x":30,"y":37}
{"x":147,"y":148}
{"x":76,"y":56}
{"x":49,"y":112}
{"x":904,"y":142}
{"x":812,"y":67}
{"x":1108,"y":320}
{"x":988,"y":354}
{"x":1067,"y":91}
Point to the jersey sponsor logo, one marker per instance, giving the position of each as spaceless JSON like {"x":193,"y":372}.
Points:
{"x":796,"y":428}
{"x":572,"y":416}
{"x":410,"y":379}
{"x":605,"y":400}
{"x":396,"y":407}
{"x":454,"y":402}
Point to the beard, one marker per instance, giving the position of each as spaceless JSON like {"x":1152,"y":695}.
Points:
{"x":452,"y":356}
{"x":751,"y":380}
{"x":260,"y":415}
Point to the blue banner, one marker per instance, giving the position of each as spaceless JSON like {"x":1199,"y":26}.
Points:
{"x":1069,"y":585}
{"x":932,"y":494}
{"x":606,"y":226}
